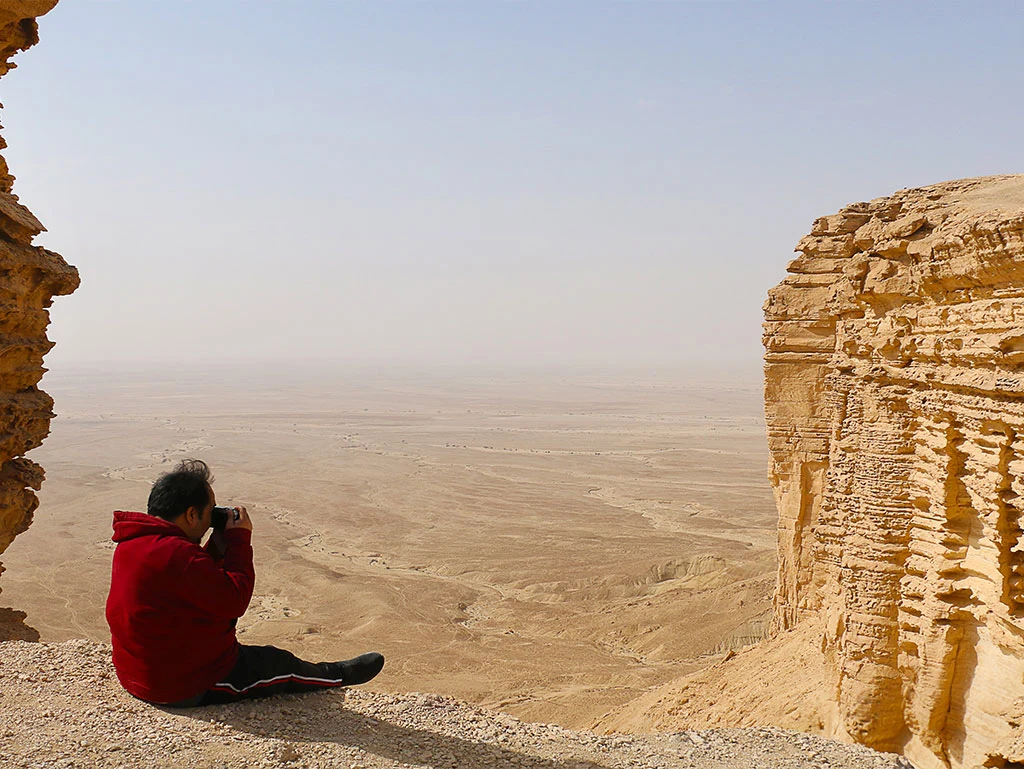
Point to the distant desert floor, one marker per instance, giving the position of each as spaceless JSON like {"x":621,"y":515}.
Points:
{"x":548,"y":544}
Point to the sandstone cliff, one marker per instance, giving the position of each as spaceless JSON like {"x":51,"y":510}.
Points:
{"x":894,"y":396}
{"x":30,"y":277}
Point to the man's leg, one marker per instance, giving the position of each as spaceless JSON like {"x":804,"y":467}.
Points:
{"x":265,"y":670}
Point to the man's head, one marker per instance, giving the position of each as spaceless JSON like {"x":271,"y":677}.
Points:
{"x":184,"y":496}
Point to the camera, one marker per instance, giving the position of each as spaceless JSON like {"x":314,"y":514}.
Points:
{"x":221,"y":515}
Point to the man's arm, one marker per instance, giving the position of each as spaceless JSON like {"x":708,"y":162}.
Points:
{"x":215,"y":545}
{"x":223,"y":589}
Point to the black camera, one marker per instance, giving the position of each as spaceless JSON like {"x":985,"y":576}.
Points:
{"x":220,"y":517}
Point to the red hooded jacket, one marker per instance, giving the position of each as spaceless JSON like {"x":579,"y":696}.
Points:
{"x":173,"y":605}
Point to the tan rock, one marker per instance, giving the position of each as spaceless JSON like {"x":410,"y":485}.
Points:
{"x":896,"y":433}
{"x":894,"y":399}
{"x":30,"y":277}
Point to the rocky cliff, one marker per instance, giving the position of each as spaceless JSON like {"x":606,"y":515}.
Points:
{"x":30,"y":277}
{"x":894,"y":396}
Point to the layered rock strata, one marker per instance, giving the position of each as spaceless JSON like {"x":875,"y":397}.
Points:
{"x":30,"y":277}
{"x":894,"y":397}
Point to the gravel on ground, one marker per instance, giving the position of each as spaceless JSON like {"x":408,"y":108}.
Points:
{"x":62,"y":707}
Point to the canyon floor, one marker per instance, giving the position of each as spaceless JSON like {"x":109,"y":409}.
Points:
{"x":548,"y":544}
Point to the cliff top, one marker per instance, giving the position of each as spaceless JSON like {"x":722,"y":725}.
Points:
{"x":914,"y":219}
{"x":60,"y":705}
{"x":974,"y":196}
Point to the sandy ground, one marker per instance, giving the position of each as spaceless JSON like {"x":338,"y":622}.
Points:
{"x":550,"y":544}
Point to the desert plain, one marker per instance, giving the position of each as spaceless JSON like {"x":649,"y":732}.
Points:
{"x":550,"y":542}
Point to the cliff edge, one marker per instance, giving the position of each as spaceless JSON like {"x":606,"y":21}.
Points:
{"x":30,"y":277}
{"x":894,"y":399}
{"x":60,"y":705}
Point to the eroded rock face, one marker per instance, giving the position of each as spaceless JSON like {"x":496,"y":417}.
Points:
{"x":894,"y":396}
{"x":30,"y":277}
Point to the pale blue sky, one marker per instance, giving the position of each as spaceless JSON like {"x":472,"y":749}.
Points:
{"x":485,"y":182}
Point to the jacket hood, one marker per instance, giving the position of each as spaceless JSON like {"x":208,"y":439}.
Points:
{"x":128,"y":525}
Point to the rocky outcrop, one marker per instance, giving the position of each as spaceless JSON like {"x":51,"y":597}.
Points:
{"x":30,"y":277}
{"x":894,"y":397}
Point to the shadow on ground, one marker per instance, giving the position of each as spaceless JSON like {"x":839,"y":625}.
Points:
{"x":14,"y":628}
{"x":323,"y":717}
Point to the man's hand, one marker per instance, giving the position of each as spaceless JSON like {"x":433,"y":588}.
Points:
{"x":243,"y":521}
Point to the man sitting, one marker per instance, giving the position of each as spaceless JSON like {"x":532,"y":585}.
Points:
{"x":173,"y":605}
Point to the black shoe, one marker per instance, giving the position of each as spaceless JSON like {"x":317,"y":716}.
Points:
{"x":361,"y":669}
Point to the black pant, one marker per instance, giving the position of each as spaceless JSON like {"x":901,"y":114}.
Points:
{"x":262,"y":671}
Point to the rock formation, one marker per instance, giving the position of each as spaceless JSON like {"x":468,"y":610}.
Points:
{"x":30,"y":277}
{"x":894,"y":397}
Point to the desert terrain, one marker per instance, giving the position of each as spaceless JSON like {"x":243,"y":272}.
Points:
{"x":550,"y":543}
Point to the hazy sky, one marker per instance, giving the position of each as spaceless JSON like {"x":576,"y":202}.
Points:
{"x":478,"y":181}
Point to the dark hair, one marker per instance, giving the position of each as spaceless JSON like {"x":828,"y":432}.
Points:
{"x":187,"y":485}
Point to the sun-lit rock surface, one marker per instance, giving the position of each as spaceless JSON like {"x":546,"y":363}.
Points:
{"x":894,"y":396}
{"x":894,"y":399}
{"x":30,"y":277}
